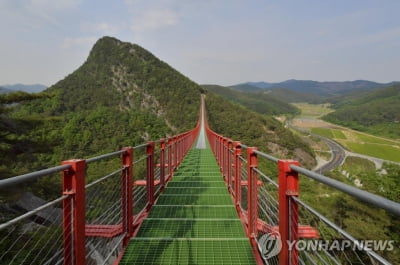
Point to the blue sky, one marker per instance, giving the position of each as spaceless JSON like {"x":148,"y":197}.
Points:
{"x":211,"y":41}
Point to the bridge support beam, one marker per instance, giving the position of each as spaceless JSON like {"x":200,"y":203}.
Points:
{"x":288,"y":211}
{"x":74,"y":212}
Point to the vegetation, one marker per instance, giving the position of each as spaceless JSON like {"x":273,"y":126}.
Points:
{"x":354,"y":141}
{"x":313,"y":110}
{"x":359,"y":219}
{"x":259,"y":102}
{"x":321,"y":89}
{"x":121,"y":96}
{"x":239,"y":123}
{"x":377,"y":112}
{"x":12,"y":141}
{"x":362,"y":143}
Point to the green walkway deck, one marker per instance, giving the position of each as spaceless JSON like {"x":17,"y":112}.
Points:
{"x":193,"y":222}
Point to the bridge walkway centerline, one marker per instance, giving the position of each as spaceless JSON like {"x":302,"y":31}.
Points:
{"x":193,"y":221}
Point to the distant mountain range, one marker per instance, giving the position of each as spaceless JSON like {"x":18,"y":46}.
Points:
{"x":324,"y":89}
{"x":4,"y":90}
{"x":22,"y":87}
{"x":259,"y":102}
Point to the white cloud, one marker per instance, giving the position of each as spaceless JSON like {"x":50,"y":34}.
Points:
{"x":81,"y":41}
{"x":102,"y":28}
{"x":35,"y":13}
{"x":154,"y":20}
{"x":53,"y":5}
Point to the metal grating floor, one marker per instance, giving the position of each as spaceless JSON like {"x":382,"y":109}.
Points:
{"x":193,"y":222}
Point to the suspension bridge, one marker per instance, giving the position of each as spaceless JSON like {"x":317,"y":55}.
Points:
{"x":194,"y":198}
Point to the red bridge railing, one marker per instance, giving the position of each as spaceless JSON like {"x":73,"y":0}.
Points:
{"x":282,"y":228}
{"x":97,"y":212}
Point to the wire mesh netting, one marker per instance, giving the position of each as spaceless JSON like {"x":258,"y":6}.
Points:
{"x":334,"y":245}
{"x":104,"y":217}
{"x":31,"y":224}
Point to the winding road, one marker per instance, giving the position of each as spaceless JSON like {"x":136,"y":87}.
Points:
{"x":338,"y":153}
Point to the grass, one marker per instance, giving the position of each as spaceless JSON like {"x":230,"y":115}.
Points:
{"x":313,"y":110}
{"x":338,"y":134}
{"x":357,"y":164}
{"x":354,"y":141}
{"x":325,"y":132}
{"x":376,"y":150}
{"x":373,"y":139}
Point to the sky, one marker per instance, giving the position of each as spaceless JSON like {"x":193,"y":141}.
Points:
{"x":221,"y":42}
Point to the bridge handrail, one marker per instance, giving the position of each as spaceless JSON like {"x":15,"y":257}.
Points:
{"x":12,"y":181}
{"x":379,"y":201}
{"x":229,"y":156}
{"x":74,"y":216}
{"x":368,"y":197}
{"x":319,"y":215}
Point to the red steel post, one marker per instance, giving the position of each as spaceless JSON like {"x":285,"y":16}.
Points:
{"x":175,"y":140}
{"x":216,"y":151}
{"x":177,"y":151}
{"x":74,"y":212}
{"x":226,"y":152}
{"x":180,"y":149}
{"x":238,"y":174}
{"x":170,"y":158}
{"x":162,"y":162}
{"x":127,"y":193}
{"x":230,"y":145}
{"x":221,"y":152}
{"x":150,"y":172}
{"x":288,"y":211}
{"x":252,"y":196}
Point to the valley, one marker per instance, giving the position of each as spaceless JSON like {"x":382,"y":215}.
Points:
{"x":374,"y":148}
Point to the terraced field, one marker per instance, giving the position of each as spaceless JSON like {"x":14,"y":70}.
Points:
{"x":353,"y":141}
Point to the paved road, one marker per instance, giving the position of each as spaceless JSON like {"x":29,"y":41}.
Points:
{"x":338,"y":153}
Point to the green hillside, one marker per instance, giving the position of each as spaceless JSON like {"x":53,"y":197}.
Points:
{"x":291,"y":96}
{"x":254,"y":129}
{"x":377,"y":112}
{"x":121,"y":96}
{"x":258,"y":102}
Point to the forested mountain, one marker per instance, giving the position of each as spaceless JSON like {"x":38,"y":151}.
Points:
{"x":253,"y":129}
{"x":377,"y":112}
{"x":259,"y":102}
{"x":121,"y":96}
{"x":325,"y":89}
{"x":290,"y":96}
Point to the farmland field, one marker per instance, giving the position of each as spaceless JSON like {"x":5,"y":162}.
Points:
{"x":353,"y":141}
